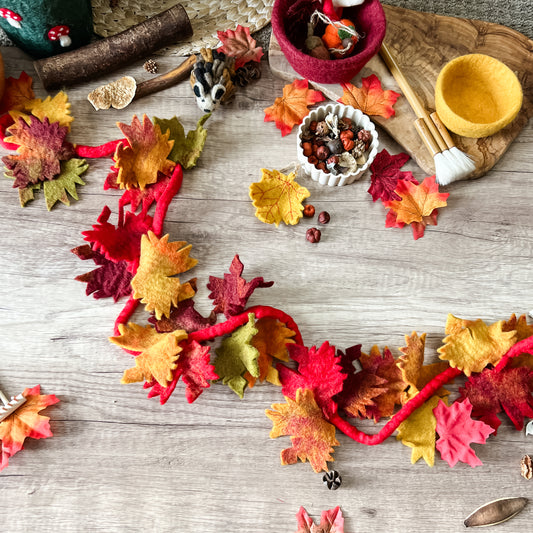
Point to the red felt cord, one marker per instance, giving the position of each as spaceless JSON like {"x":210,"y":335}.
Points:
{"x":94,"y":152}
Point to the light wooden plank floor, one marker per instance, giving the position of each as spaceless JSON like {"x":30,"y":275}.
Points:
{"x":119,"y":462}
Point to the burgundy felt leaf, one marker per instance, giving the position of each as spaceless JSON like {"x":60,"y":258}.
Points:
{"x":231,"y":293}
{"x":110,"y":279}
{"x":184,"y":316}
{"x":457,"y":430}
{"x":385,"y":175}
{"x":318,"y":370}
{"x":492,"y":391}
{"x":122,"y":242}
{"x":195,"y":370}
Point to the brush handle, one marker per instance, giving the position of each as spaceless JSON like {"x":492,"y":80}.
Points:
{"x":442,"y":130}
{"x":427,"y":138}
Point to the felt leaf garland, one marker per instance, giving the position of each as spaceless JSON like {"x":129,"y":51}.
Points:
{"x":385,"y":175}
{"x":17,"y":93}
{"x":291,"y":108}
{"x":371,"y":99}
{"x":231,"y":293}
{"x":158,"y":356}
{"x":56,"y":190}
{"x":311,"y":435}
{"x":146,"y":155}
{"x":240,"y":45}
{"x":457,"y":430}
{"x":186,"y":149}
{"x":183,"y":316}
{"x":25,"y":422}
{"x":331,"y":521}
{"x":278,"y":198}
{"x":56,"y":109}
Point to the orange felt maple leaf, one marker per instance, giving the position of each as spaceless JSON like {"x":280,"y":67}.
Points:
{"x":158,"y":356}
{"x":17,"y":93}
{"x":311,"y":434}
{"x":291,"y":108}
{"x":25,"y":422}
{"x":371,"y":99}
{"x":154,"y":283}
{"x":147,"y":154}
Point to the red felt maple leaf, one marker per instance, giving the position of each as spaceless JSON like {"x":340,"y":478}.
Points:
{"x":318,"y":370}
{"x":231,"y":293}
{"x":25,"y":422}
{"x":110,"y":279}
{"x":331,"y":521}
{"x":385,"y":175}
{"x":17,"y":93}
{"x":184,"y":316}
{"x":457,"y":430}
{"x":195,"y":370}
{"x":240,"y":45}
{"x":491,"y":392}
{"x":121,"y":242}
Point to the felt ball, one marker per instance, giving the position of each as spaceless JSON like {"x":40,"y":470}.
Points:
{"x":332,"y":480}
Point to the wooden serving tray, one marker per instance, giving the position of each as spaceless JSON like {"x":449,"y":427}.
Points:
{"x":422,"y":44}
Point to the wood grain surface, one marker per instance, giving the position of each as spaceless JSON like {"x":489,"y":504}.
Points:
{"x":122,"y":463}
{"x":422,"y":43}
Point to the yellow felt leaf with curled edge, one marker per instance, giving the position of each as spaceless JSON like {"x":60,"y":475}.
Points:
{"x":311,"y":434}
{"x":277,"y":197}
{"x":56,"y":109}
{"x":476,"y":345}
{"x":154,"y":283}
{"x":418,"y":432}
{"x":159,"y":352}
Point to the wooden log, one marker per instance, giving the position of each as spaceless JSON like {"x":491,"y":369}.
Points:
{"x":107,"y":55}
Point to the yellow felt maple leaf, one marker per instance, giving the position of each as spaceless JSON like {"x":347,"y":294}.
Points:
{"x":278,"y":197}
{"x":311,"y":434}
{"x":158,"y":356}
{"x":476,"y":345}
{"x":147,"y":154}
{"x":154,"y":283}
{"x":56,"y":109}
{"x":16,"y":93}
{"x":270,"y":341}
{"x":418,"y":432}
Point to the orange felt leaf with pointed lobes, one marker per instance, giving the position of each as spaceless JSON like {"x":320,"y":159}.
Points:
{"x":158,"y":356}
{"x":155,"y":283}
{"x":147,"y":154}
{"x":290,"y":109}
{"x":17,"y":93}
{"x":371,"y":99}
{"x":475,"y":345}
{"x":311,"y":434}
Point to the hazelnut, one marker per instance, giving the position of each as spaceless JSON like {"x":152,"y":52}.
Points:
{"x":324,"y":218}
{"x":335,"y":146}
{"x":313,"y":235}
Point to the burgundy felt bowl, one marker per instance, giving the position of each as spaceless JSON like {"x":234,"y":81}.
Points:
{"x":369,"y":20}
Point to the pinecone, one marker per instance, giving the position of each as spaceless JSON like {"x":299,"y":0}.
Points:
{"x":247,"y":73}
{"x":359,"y":148}
{"x":150,"y":66}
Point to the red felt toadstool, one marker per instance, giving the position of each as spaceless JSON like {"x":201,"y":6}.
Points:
{"x":12,"y":17}
{"x":60,"y":33}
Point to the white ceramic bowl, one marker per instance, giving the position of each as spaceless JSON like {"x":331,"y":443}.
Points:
{"x":342,"y":111}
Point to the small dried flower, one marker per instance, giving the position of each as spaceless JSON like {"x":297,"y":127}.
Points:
{"x":150,"y":66}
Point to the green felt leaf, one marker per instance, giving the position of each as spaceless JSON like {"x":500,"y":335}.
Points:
{"x":186,"y":149}
{"x":236,"y":356}
{"x":56,"y":190}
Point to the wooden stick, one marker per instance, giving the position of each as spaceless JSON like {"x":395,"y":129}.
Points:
{"x":427,"y":138}
{"x":442,"y":129}
{"x":109,"y":54}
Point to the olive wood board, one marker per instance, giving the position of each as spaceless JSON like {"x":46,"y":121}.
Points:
{"x":422,"y":43}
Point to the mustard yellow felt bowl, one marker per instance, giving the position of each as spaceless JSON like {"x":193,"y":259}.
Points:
{"x":477,"y":95}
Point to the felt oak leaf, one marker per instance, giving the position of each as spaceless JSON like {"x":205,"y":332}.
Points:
{"x":493,"y":391}
{"x":457,"y":431}
{"x":155,"y":283}
{"x":240,"y":45}
{"x":56,"y":189}
{"x":417,"y":206}
{"x":56,"y":109}
{"x":418,"y":432}
{"x":183,"y":316}
{"x":186,"y":149}
{"x":194,"y":369}
{"x":371,"y":99}
{"x":147,"y":154}
{"x":331,"y":521}
{"x":25,"y":422}
{"x":158,"y":355}
{"x":231,"y":293}
{"x":385,"y":175}
{"x":236,"y":356}
{"x":41,"y":148}
{"x":277,"y":197}
{"x":311,"y":434}
{"x":271,"y":342}
{"x":109,"y":279}
{"x":520,"y":325}
{"x":477,"y":345}
{"x":290,"y":110}
{"x":318,"y":370}
{"x":17,"y":93}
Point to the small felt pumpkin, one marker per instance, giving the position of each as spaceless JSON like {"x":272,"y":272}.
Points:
{"x":340,"y":38}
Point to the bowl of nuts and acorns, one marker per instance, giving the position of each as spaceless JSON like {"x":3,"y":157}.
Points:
{"x":336,"y":144}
